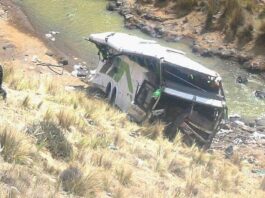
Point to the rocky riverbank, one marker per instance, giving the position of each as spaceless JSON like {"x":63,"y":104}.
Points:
{"x":163,"y":22}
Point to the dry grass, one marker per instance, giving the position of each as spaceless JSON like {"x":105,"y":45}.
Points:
{"x":261,"y":33}
{"x":14,"y":145}
{"x":102,"y":158}
{"x":124,"y":174}
{"x":26,"y":102}
{"x":66,"y":118}
{"x":152,"y":131}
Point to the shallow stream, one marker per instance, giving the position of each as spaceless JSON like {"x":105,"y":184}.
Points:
{"x":76,"y":19}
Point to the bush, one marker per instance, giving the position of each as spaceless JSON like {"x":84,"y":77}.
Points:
{"x":48,"y":134}
{"x":73,"y":181}
{"x":184,"y":7}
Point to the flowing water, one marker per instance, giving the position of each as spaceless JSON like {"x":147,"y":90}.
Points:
{"x":76,"y":19}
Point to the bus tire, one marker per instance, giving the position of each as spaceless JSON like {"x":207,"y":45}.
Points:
{"x":113,"y":96}
{"x":108,"y":89}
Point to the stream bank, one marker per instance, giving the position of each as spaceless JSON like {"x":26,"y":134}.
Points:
{"x":163,"y":23}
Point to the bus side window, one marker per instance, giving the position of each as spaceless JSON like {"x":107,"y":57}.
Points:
{"x":106,"y":66}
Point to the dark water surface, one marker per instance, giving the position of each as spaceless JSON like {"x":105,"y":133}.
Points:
{"x":76,"y":19}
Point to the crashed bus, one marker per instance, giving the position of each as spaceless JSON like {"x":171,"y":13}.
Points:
{"x":152,"y":82}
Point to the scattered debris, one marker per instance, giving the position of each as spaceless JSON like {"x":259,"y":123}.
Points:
{"x":80,"y":71}
{"x":51,"y":35}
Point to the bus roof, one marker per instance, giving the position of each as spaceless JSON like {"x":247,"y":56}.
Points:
{"x":125,"y":43}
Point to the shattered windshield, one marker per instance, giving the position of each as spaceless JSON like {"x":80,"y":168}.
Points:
{"x":191,"y":79}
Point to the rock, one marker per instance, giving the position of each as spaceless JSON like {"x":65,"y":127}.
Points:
{"x":130,"y":26}
{"x":260,"y":94}
{"x":229,"y":151}
{"x":249,"y":121}
{"x":235,"y":117}
{"x":63,"y":61}
{"x":148,"y":30}
{"x":159,"y":31}
{"x":128,"y":16}
{"x":118,"y":3}
{"x":258,"y":63}
{"x":206,"y":53}
{"x":242,"y":79}
{"x":49,"y":53}
{"x":185,"y":20}
{"x":260,"y":122}
{"x":111,"y":6}
{"x":247,"y":128}
{"x":149,"y":16}
{"x":8,"y":46}
{"x":35,"y":59}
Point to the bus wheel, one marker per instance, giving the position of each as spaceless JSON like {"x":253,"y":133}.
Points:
{"x":108,"y":89}
{"x":113,"y":97}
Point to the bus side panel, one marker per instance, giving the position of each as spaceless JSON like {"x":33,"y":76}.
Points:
{"x":132,"y":78}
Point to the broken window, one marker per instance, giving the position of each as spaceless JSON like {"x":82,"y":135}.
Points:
{"x":190,"y":79}
{"x":149,"y":63}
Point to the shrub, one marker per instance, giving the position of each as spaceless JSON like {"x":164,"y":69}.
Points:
{"x":74,"y":181}
{"x":48,"y":134}
{"x":183,"y":7}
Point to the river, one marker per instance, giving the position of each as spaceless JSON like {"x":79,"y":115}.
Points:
{"x":76,"y":19}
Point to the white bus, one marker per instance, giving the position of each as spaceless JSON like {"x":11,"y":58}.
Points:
{"x":149,"y":81}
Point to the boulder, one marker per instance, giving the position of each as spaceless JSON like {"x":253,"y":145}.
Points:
{"x":148,"y":30}
{"x":260,"y":94}
{"x":242,"y":79}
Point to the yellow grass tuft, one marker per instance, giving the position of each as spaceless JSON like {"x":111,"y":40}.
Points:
{"x":66,"y":118}
{"x":152,"y":131}
{"x":26,"y":102}
{"x":15,"y":146}
{"x":124,"y":174}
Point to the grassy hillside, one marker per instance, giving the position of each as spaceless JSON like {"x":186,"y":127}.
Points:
{"x":56,"y":141}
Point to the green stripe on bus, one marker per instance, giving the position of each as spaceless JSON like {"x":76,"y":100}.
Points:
{"x":122,"y":67}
